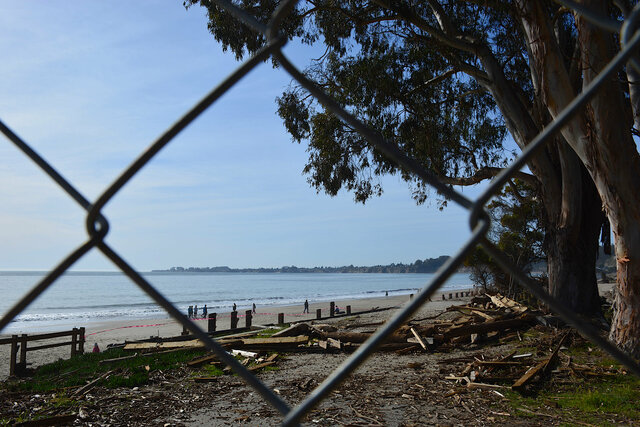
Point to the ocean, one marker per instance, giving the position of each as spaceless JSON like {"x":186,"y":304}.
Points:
{"x":80,"y":297}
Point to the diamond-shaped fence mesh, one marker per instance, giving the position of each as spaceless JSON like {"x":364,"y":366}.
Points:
{"x":98,"y":226}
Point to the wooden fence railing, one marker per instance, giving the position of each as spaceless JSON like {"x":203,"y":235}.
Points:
{"x":20,"y":343}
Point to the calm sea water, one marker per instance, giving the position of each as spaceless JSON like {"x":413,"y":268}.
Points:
{"x":78,"y":298}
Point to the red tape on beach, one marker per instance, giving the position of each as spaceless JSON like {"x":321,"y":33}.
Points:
{"x":126,"y":327}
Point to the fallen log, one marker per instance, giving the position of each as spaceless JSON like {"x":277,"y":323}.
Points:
{"x":359,"y":337}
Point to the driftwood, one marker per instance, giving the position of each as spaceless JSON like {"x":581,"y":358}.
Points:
{"x":359,"y":337}
{"x":541,"y":368}
{"x":202,"y":360}
{"x":84,"y":389}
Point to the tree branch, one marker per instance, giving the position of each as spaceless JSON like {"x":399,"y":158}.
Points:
{"x":485,"y":173}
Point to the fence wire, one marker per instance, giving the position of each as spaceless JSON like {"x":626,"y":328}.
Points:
{"x":98,"y":226}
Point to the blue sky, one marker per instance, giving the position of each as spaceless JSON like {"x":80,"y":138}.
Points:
{"x":89,"y":85}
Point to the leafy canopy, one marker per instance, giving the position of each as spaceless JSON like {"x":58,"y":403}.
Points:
{"x":384,"y":64}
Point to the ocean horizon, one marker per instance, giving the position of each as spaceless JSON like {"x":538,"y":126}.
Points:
{"x":78,"y":297}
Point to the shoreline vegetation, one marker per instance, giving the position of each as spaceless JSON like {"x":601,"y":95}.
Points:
{"x":429,"y":265}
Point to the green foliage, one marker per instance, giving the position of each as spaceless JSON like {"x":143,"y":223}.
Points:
{"x":396,"y":79}
{"x":517,"y":231}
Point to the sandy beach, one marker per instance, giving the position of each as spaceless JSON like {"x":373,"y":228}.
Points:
{"x":119,"y":331}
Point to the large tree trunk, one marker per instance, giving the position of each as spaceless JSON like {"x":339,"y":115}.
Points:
{"x":571,"y":253}
{"x":601,"y":138}
{"x":573,"y":208}
{"x":614,"y":164}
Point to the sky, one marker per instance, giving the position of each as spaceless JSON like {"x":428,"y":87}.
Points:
{"x":89,"y":85}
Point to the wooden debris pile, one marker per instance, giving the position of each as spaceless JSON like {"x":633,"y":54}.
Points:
{"x":484,"y":318}
{"x":522,"y":371}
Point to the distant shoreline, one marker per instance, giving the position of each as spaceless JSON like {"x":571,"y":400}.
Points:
{"x":427,"y":266}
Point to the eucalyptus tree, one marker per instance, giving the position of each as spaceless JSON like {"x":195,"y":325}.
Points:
{"x":449,"y":82}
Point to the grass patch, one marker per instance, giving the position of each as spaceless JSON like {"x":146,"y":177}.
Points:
{"x":82,"y":368}
{"x":593,"y":400}
{"x":618,"y":396}
{"x":211,"y":370}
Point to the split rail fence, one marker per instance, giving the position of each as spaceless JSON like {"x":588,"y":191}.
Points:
{"x":19,"y":343}
{"x":98,"y":226}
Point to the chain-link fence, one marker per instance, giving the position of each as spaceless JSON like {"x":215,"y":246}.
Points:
{"x":98,"y":226}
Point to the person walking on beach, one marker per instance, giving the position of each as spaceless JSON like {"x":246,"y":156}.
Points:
{"x":204,"y":311}
{"x":96,"y":349}
{"x":306,"y":306}
{"x":195,"y":312}
{"x":190,"y":312}
{"x":254,"y":308}
{"x":234,"y":306}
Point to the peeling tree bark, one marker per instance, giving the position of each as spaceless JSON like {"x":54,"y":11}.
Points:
{"x":602,"y":140}
{"x":614,"y":164}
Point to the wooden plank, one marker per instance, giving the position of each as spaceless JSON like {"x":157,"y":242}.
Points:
{"x":117,"y":359}
{"x":40,"y":336}
{"x":529,"y":375}
{"x":293,"y":330}
{"x":419,"y":338}
{"x":333,"y":343}
{"x":260,"y":366}
{"x":502,"y":301}
{"x":42,"y":347}
{"x":300,"y":339}
{"x":201,"y":360}
{"x":272,"y":358}
{"x":358,"y":337}
{"x":177,"y":345}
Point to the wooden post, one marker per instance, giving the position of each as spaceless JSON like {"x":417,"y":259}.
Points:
{"x":456,"y":295}
{"x":23,"y":350}
{"x":443,"y":297}
{"x":319,"y":313}
{"x":247,"y":318}
{"x":280,"y":318}
{"x":450,"y":296}
{"x":82,"y":339}
{"x":332,"y":309}
{"x":211,"y":327}
{"x":74,"y":341}
{"x":14,"y":354}
{"x":348,"y":309}
{"x":234,"y":319}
